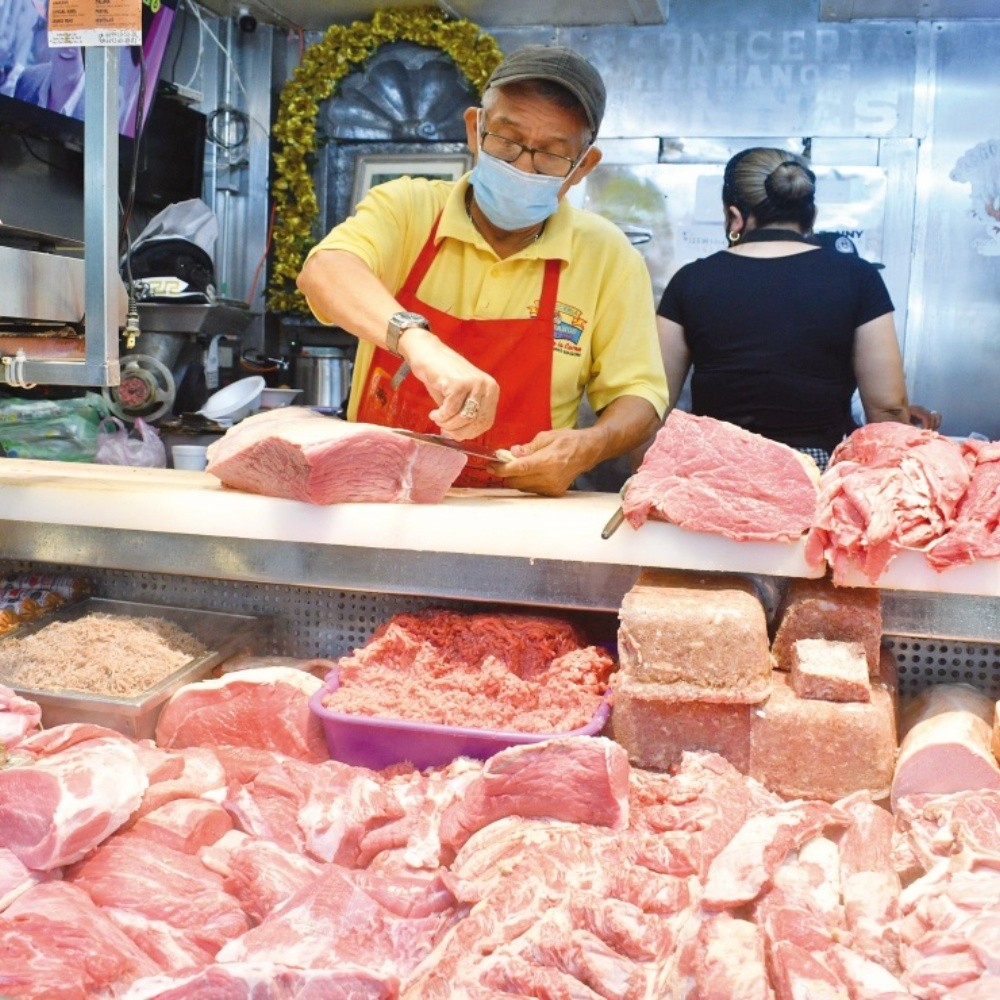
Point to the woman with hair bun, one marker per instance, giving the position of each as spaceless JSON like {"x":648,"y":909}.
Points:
{"x":778,"y":331}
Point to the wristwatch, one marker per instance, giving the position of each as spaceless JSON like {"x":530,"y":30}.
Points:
{"x":399,"y":322}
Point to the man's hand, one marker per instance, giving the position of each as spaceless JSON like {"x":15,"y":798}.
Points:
{"x":548,"y":464}
{"x":466,"y":397}
{"x":920,"y":416}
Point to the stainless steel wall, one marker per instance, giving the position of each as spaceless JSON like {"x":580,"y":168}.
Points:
{"x":889,"y":109}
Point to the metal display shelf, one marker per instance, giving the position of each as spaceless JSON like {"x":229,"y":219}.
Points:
{"x":497,"y":547}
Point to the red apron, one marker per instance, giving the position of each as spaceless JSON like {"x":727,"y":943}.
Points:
{"x":516,"y":352}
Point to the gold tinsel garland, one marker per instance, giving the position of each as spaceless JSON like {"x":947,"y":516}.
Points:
{"x":343,"y":49}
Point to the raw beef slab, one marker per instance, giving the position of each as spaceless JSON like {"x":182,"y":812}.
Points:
{"x":299,"y":454}
{"x":709,"y":475}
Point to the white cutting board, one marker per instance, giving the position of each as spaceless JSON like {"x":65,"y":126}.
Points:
{"x":911,"y":571}
{"x":475,"y":522}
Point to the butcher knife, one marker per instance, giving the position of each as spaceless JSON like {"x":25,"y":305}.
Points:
{"x":500,"y":455}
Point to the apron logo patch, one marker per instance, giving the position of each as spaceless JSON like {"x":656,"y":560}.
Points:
{"x":567,"y":328}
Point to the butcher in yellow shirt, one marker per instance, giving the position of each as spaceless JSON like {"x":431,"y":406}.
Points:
{"x":505,"y":301}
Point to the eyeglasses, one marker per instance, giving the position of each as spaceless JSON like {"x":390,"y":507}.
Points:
{"x":550,"y":164}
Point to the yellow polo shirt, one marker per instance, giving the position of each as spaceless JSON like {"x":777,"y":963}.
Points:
{"x":605,"y":332}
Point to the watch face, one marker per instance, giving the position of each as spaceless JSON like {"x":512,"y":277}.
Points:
{"x":405,"y":319}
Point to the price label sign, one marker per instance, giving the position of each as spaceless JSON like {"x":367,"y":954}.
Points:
{"x":96,"y":22}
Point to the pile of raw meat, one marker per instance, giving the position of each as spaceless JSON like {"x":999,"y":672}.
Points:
{"x":507,"y":672}
{"x":128,"y":870}
{"x":888,"y":487}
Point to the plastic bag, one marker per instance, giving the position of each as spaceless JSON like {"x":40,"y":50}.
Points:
{"x":116,"y":446}
{"x":63,"y":430}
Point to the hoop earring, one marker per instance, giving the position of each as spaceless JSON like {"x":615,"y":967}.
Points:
{"x":733,"y":237}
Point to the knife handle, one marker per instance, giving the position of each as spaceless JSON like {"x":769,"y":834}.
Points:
{"x":503,"y":455}
{"x":614,"y":523}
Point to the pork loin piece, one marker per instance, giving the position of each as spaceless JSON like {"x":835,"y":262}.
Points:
{"x":803,"y":748}
{"x":579,"y":779}
{"x":888,"y":487}
{"x":947,"y":732}
{"x":975,"y":532}
{"x":830,"y":671}
{"x":63,"y":806}
{"x":709,"y":475}
{"x":266,"y":708}
{"x":299,"y":454}
{"x":698,"y":638}
{"x":816,"y":609}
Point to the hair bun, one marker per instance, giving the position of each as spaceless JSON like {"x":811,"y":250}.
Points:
{"x":790,"y":182}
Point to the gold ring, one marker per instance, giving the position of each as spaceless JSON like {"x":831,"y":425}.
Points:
{"x":469,"y":408}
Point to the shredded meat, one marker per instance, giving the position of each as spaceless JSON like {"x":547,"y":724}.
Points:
{"x":104,"y":654}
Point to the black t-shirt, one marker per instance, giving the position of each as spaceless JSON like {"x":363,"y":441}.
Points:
{"x":771,"y":339}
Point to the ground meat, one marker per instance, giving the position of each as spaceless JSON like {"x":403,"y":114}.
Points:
{"x":518,"y":673}
{"x":102,"y":654}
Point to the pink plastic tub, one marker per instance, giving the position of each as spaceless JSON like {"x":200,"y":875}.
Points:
{"x":374,"y":742}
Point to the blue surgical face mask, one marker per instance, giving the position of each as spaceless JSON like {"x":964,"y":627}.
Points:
{"x":513,"y":199}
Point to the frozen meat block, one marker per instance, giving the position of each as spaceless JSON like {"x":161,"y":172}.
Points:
{"x":803,"y":748}
{"x":830,"y":671}
{"x":655,"y":729}
{"x":698,"y":637}
{"x":816,"y":609}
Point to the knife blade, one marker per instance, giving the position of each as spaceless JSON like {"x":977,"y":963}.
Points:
{"x":500,"y":455}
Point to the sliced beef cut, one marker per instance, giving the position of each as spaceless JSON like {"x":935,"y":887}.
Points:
{"x":578,"y":779}
{"x":946,"y":745}
{"x":168,"y":903}
{"x":888,"y":487}
{"x":259,"y":873}
{"x":299,"y":454}
{"x":184,"y":825}
{"x":975,"y":532}
{"x":709,"y":475}
{"x":266,"y":981}
{"x":63,"y":806}
{"x":349,"y":920}
{"x":266,"y":708}
{"x":55,"y":944}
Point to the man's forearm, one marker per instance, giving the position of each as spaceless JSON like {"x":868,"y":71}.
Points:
{"x":624,"y":424}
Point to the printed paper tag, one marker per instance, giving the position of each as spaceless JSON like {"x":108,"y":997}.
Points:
{"x":95,"y":22}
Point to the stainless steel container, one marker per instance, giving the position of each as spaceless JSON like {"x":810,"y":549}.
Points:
{"x":324,"y":376}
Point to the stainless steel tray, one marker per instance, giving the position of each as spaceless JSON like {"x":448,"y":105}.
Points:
{"x":224,"y":634}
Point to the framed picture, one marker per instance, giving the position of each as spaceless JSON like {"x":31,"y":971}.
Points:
{"x":377,"y":168}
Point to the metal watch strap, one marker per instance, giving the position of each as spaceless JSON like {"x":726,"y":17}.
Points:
{"x":400,"y":322}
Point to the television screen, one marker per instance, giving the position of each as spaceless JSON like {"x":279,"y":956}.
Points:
{"x":42,"y":88}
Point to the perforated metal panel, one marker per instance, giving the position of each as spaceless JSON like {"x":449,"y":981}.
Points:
{"x":304,"y":621}
{"x":314,"y":621}
{"x":923,"y":662}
